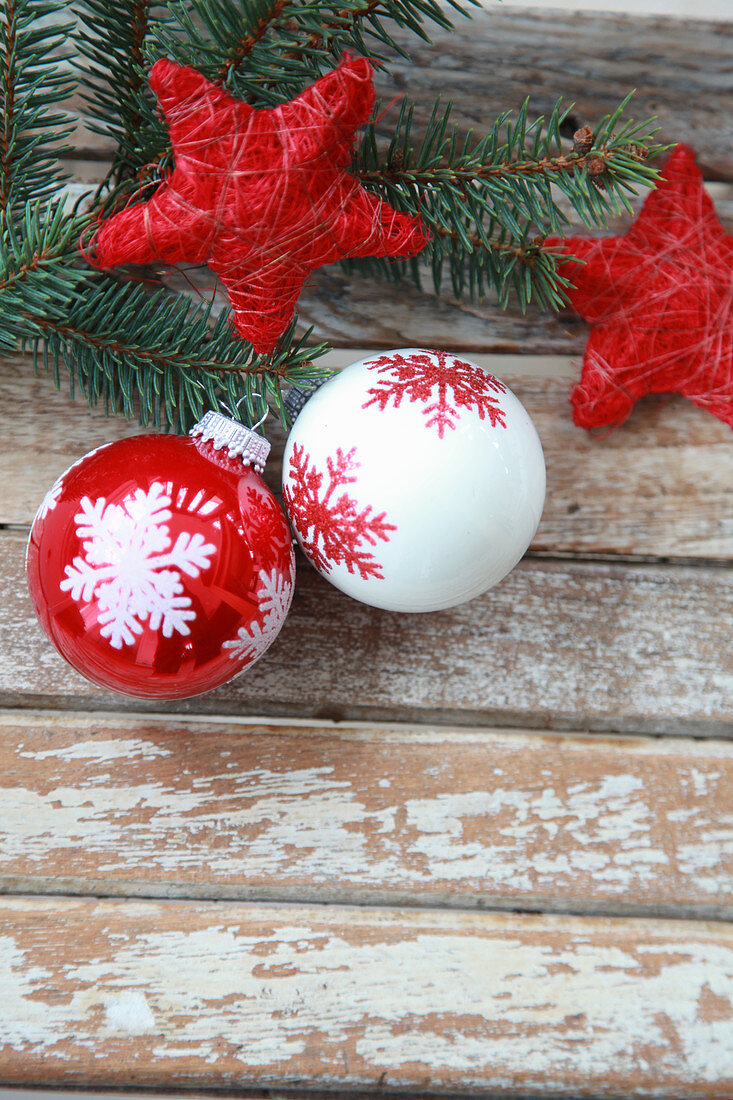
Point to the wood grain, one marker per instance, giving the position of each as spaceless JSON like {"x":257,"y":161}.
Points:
{"x":563,"y":645}
{"x":680,"y":72}
{"x":225,"y":994}
{"x":396,"y":816}
{"x":661,"y":486}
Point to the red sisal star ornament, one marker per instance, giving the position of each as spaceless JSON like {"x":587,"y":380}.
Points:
{"x":261,"y":196}
{"x":660,"y":301}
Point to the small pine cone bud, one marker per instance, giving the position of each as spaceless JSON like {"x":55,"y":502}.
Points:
{"x":396,"y":161}
{"x":637,"y":151}
{"x":596,"y":167}
{"x":538,"y":242}
{"x":583,"y":141}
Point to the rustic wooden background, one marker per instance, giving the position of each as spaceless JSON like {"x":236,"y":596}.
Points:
{"x":488,"y":850}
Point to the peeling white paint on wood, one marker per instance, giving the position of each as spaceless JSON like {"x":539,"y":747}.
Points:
{"x":339,"y":997}
{"x":129,"y":1012}
{"x":366,"y":814}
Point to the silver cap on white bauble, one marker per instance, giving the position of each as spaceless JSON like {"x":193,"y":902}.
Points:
{"x":298,"y":395}
{"x":236,"y":439}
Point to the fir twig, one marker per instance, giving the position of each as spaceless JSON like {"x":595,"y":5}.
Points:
{"x":243,"y":48}
{"x":33,"y":131}
{"x":490,"y":202}
{"x":121,"y":106}
{"x":155,"y":355}
{"x":158,"y":356}
{"x":265,"y":51}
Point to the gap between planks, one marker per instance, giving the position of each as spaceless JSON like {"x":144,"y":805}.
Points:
{"x":255,"y":810}
{"x":195,"y":994}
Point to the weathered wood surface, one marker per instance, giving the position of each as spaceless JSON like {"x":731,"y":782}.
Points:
{"x":660,"y":486}
{"x":226,"y":994}
{"x":680,"y":71}
{"x":253,"y":992}
{"x":395,"y":816}
{"x":565,"y":645}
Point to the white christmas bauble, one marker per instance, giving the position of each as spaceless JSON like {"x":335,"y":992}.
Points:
{"x":414,"y":480}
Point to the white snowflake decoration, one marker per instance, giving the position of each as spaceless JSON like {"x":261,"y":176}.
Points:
{"x":51,"y":499}
{"x":275,"y":594}
{"x":131,"y":569}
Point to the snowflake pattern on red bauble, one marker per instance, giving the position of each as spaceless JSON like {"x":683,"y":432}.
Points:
{"x":331,"y":526}
{"x":442,"y":383}
{"x":160,"y":567}
{"x":130,"y":567}
{"x":274,"y":596}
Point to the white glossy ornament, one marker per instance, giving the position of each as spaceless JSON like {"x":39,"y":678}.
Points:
{"x":414,"y":480}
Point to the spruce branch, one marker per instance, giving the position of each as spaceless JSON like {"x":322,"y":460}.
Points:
{"x":243,"y":48}
{"x":152,"y":354}
{"x":490,"y":202}
{"x":33,"y":131}
{"x":111,"y":40}
{"x":157,"y":356}
{"x":265,"y":51}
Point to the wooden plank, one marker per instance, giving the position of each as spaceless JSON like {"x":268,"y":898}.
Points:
{"x":563,"y":645}
{"x":676,"y":9}
{"x":234,"y":809}
{"x":660,"y":486}
{"x":224,"y":994}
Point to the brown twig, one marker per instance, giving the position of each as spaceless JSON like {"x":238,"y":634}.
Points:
{"x":596,"y":161}
{"x":524,"y":254}
{"x":245,"y":45}
{"x":351,"y":15}
{"x":136,"y":351}
{"x":136,"y":74}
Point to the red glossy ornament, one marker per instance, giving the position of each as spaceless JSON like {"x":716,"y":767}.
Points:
{"x":162,"y":566}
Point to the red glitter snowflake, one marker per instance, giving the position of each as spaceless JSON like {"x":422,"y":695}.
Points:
{"x":266,"y":526}
{"x":330,"y":526}
{"x":441,"y":382}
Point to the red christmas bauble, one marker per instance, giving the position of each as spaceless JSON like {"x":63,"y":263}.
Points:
{"x":162,"y":566}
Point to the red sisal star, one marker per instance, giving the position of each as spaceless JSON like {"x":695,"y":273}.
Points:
{"x":261,"y":196}
{"x":660,"y":301}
